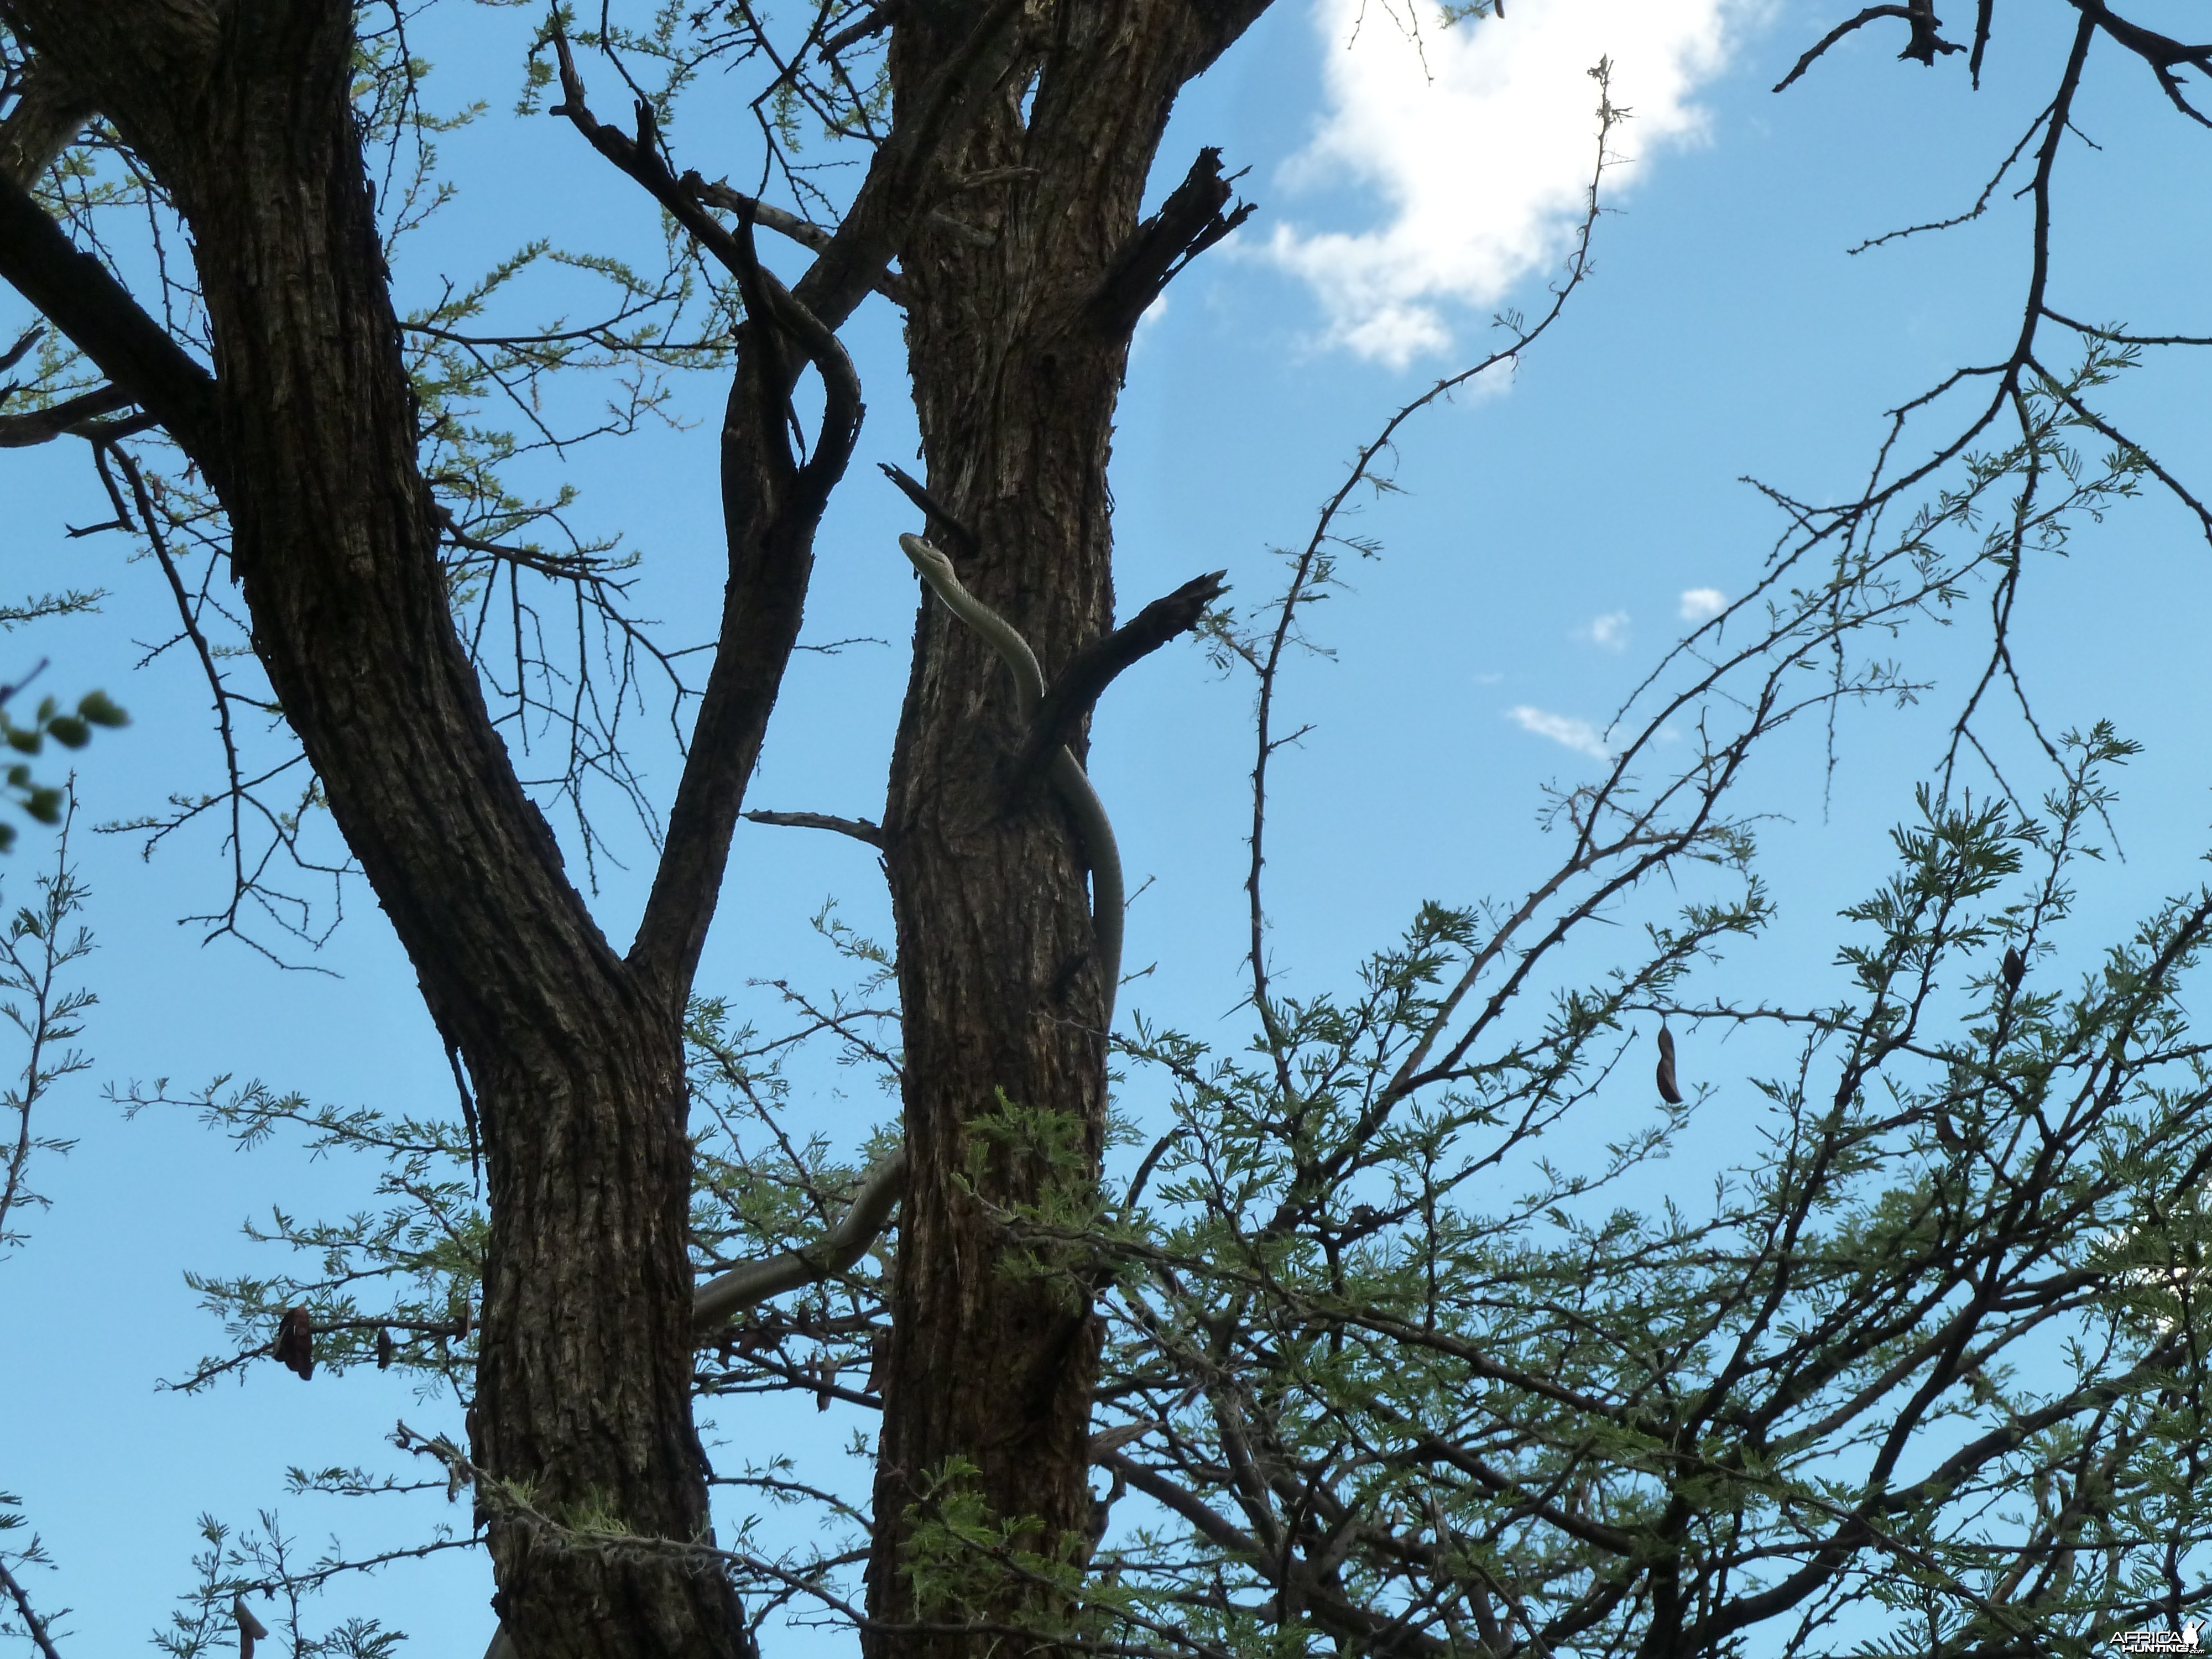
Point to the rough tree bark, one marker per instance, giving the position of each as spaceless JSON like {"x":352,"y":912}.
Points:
{"x":1016,"y":341}
{"x":306,"y":430}
{"x":243,"y":114}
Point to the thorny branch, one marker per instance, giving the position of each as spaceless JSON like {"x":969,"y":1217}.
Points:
{"x":1396,"y":1371}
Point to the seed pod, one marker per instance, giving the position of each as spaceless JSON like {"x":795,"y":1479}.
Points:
{"x":250,"y":1629}
{"x":295,"y":1342}
{"x":1669,"y":1091}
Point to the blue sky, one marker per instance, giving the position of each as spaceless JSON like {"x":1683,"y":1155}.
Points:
{"x":1557,"y":528}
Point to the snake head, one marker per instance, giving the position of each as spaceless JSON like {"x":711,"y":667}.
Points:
{"x":926,"y":558}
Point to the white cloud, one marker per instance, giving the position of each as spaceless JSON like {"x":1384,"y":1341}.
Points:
{"x":1578,"y":735}
{"x":1608,"y":632}
{"x":1699,"y":604}
{"x":1146,"y":323}
{"x":1477,"y":143}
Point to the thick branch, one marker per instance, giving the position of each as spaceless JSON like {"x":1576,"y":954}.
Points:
{"x":73,"y":290}
{"x":2161,"y":53}
{"x":935,"y":510}
{"x":804,"y":232}
{"x":864,"y":1220}
{"x":48,"y":114}
{"x":878,"y":18}
{"x":68,"y":418}
{"x":858,"y":829}
{"x":1188,"y":222}
{"x":771,"y":505}
{"x":1068,"y":702}
{"x":896,"y":190}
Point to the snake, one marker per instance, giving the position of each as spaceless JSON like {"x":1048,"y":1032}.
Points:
{"x":1093,"y":829}
{"x":848,"y":1240}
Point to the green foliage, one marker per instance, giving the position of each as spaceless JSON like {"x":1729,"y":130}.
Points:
{"x":410,"y":1267}
{"x":39,"y":947}
{"x":959,"y":1554}
{"x":252,"y":1566}
{"x":1412,"y":1341}
{"x":14,"y":1557}
{"x":1408,"y":1326}
{"x":40,"y":801}
{"x":1041,"y":1165}
{"x":1415,"y":1360}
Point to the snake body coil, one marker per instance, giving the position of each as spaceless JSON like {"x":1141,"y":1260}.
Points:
{"x":1091,"y":823}
{"x":847,"y":1240}
{"x":850,"y":1238}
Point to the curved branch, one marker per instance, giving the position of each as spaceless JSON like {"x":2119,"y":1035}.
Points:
{"x":68,"y":418}
{"x":2162,"y":53}
{"x":896,"y":190}
{"x":845,"y":1243}
{"x":772,"y":504}
{"x":48,"y":114}
{"x":1922,"y":47}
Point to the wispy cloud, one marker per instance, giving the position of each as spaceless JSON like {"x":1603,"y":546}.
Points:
{"x":1146,"y":323}
{"x":1578,"y":735}
{"x":1608,"y":632}
{"x":1698,"y":604}
{"x":1476,"y":143}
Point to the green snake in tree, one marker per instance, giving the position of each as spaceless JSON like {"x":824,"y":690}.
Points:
{"x":847,"y":1240}
{"x":1091,"y":825}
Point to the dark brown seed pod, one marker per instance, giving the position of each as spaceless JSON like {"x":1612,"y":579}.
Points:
{"x":1669,"y":1091}
{"x":295,"y":1342}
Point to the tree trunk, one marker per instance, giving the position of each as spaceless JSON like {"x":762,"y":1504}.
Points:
{"x":306,"y":430}
{"x":584,"y":1382}
{"x":1017,"y":351}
